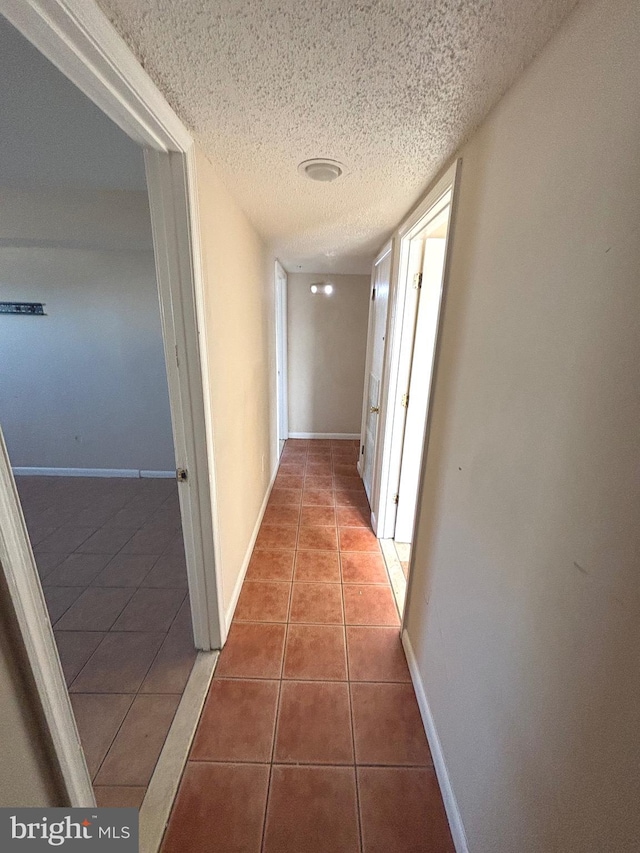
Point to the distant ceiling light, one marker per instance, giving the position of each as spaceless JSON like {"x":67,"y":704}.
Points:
{"x":328,"y":289}
{"x":314,"y":288}
{"x":320,"y":169}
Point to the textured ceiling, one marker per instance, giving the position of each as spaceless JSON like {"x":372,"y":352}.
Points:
{"x":388,"y":88}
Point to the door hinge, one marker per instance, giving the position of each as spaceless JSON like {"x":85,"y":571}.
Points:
{"x":417,"y":281}
{"x":181,"y":475}
{"x":373,"y":294}
{"x":405,"y":401}
{"x":396,"y":498}
{"x":177,"y":359}
{"x":362,"y":450}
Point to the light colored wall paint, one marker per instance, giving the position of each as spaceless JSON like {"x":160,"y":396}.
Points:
{"x":327,"y":350}
{"x":525,"y":601}
{"x":239,"y":316}
{"x":85,"y":386}
{"x":27,"y":775}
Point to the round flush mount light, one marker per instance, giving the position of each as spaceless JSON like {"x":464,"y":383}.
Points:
{"x":328,"y":289}
{"x":321,"y":169}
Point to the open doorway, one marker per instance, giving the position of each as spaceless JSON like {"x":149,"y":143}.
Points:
{"x":110,"y":261}
{"x":282,"y":399}
{"x":397,"y":447}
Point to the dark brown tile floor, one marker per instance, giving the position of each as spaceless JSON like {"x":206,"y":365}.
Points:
{"x":111,"y":559}
{"x":311,"y":738}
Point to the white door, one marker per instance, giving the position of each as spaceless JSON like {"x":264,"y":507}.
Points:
{"x":281,"y":356}
{"x":430,"y":293}
{"x":377,"y":332}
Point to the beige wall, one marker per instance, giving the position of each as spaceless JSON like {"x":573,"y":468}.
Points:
{"x":525,"y":606}
{"x":327,"y":340}
{"x":239,"y":306}
{"x":27,"y":777}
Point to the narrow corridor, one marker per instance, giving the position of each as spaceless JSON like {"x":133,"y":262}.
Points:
{"x":311,"y":738}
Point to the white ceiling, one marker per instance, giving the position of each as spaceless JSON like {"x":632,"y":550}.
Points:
{"x":389,"y":87}
{"x":51,"y":135}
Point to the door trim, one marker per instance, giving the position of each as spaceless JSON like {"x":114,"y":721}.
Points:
{"x":387,"y":457}
{"x":80,"y":41}
{"x":282,"y":375}
{"x":27,"y":599}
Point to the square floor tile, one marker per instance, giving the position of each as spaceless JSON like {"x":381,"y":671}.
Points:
{"x":46,"y":563}
{"x":77,"y":570}
{"x":369,"y":605}
{"x":401,"y":809}
{"x":134,"y":753}
{"x":289,"y":481}
{"x":95,"y":610}
{"x":65,"y":539}
{"x":376,"y":654}
{"x":387,"y":725}
{"x":350,"y":497}
{"x":277,"y":537}
{"x":75,"y":648}
{"x":150,"y":610}
{"x":172,"y":665}
{"x":219,"y":807}
{"x":106,"y":540}
{"x":252,"y":650}
{"x":363,"y":567}
{"x":284,"y":515}
{"x":317,"y":497}
{"x":354,"y":516}
{"x":59,"y":599}
{"x":317,"y":538}
{"x":318,"y":516}
{"x":119,"y":796}
{"x":314,"y":723}
{"x":318,"y":481}
{"x":238,"y":721}
{"x":315,"y":652}
{"x":318,"y":566}
{"x":285,"y":497}
{"x":119,"y":664}
{"x":263,"y":601}
{"x":271,"y":565}
{"x":126,"y":570}
{"x":316,"y":602}
{"x":99,"y":716}
{"x":312,"y":809}
{"x":358,"y":539}
{"x":169,"y":571}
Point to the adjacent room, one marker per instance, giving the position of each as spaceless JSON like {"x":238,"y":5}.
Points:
{"x":84,"y":409}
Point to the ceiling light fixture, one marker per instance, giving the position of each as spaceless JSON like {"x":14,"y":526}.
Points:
{"x":322,"y":286}
{"x":321,"y":169}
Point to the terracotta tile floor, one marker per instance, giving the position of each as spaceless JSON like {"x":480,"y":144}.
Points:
{"x":311,"y":739}
{"x":111,"y":560}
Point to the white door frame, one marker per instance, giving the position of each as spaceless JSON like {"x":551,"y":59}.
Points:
{"x":386,"y":250}
{"x":389,"y":455}
{"x":282,"y":380}
{"x":79,"y":40}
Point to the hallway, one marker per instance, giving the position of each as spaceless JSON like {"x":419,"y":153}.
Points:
{"x":311,"y":738}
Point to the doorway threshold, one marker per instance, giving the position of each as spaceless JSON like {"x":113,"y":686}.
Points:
{"x":158,"y":802}
{"x":395,"y":572}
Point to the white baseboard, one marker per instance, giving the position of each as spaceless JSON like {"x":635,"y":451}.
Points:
{"x":131,"y":473}
{"x":342,"y":435}
{"x":450,"y":803}
{"x":247,"y":557}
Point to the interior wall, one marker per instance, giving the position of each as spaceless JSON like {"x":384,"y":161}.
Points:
{"x":27,"y":775}
{"x":327,"y":345}
{"x":84,"y":386}
{"x":240,"y":318}
{"x":524,"y":610}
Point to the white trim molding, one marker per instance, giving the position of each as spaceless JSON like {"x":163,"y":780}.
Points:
{"x":23,"y":582}
{"x":337,"y":435}
{"x":450,"y":803}
{"x":129,"y":473}
{"x":247,"y":557}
